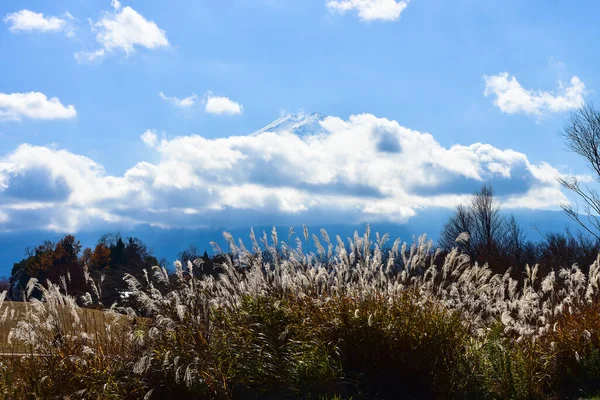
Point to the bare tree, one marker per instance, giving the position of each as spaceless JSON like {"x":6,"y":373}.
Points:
{"x":460,"y":222}
{"x":190,"y":254}
{"x":582,"y":136}
{"x":489,"y":228}
{"x":483,"y":221}
{"x":4,"y":284}
{"x":515,"y":244}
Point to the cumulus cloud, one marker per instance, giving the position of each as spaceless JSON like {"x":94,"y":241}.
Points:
{"x":29,"y":21}
{"x":33,"y":105}
{"x":340,"y":171}
{"x":222,"y":105}
{"x":26,"y":20}
{"x":181,"y":103}
{"x":511,"y":97}
{"x":123,"y":29}
{"x":370,"y":10}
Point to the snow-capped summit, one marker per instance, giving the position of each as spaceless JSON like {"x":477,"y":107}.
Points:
{"x":301,"y":124}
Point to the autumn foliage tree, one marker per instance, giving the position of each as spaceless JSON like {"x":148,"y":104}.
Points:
{"x":112,"y":257}
{"x":51,"y":261}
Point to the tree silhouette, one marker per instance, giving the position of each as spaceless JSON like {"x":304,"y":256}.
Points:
{"x":582,"y":136}
{"x":482,"y":220}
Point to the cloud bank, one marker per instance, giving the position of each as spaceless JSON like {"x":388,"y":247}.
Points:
{"x":339,"y":171}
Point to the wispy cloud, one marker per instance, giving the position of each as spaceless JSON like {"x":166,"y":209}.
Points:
{"x":29,"y":21}
{"x":222,"y":105}
{"x":33,"y":105}
{"x":90,"y":56}
{"x":181,"y":103}
{"x":511,"y":97}
{"x":150,"y":138}
{"x":370,"y":10}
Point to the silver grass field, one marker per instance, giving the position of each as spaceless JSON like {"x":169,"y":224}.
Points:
{"x":357,"y":318}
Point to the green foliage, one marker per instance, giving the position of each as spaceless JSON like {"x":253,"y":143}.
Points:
{"x":399,"y":348}
{"x":273,"y":350}
{"x":508,"y":369}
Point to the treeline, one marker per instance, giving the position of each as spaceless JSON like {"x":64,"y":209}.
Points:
{"x":488,"y":235}
{"x":100,"y":269}
{"x":479,"y":229}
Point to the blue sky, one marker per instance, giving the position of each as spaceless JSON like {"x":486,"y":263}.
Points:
{"x":111,"y":150}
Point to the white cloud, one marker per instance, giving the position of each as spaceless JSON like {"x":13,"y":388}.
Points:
{"x":370,"y":10}
{"x":222,"y":105}
{"x":29,"y":21}
{"x":127,"y":29}
{"x":89,"y":56}
{"x":123,"y":29}
{"x":181,"y":103}
{"x":33,"y":105}
{"x":338,"y":171}
{"x":150,"y":138}
{"x":512,"y":98}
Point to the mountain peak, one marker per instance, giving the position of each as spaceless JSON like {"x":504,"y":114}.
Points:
{"x":299,"y":123}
